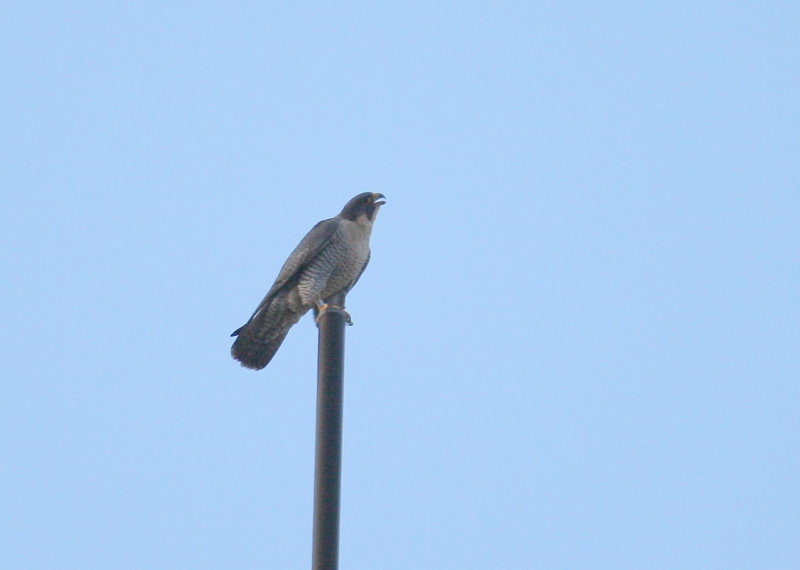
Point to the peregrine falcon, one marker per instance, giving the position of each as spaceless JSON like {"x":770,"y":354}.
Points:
{"x":322,"y":269}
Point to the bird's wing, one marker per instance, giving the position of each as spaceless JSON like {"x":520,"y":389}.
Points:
{"x":309,"y":247}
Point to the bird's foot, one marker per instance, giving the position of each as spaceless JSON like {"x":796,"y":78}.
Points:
{"x":322,"y":307}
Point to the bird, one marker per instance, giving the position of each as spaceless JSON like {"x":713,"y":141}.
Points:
{"x":318,"y":274}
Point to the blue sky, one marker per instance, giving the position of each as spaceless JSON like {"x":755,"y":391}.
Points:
{"x":576,"y":345}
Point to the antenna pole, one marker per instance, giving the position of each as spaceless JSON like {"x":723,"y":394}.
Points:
{"x":328,"y":460}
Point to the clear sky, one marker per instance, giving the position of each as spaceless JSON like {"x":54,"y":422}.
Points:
{"x":576,"y":345}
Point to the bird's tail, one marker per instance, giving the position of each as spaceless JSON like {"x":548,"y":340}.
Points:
{"x":259,"y":339}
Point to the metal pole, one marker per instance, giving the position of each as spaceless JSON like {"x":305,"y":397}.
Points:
{"x":328,"y":461}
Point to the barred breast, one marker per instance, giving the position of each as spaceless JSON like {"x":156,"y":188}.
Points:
{"x":338,"y":265}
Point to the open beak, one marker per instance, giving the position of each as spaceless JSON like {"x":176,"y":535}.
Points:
{"x":378,"y":199}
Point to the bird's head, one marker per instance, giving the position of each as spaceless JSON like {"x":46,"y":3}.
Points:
{"x":363,"y":207}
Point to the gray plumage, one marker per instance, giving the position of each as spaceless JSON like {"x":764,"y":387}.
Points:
{"x":322,"y":268}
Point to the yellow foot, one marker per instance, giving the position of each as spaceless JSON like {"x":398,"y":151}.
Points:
{"x":322,"y":307}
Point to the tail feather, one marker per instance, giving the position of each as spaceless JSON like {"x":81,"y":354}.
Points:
{"x":259,"y":339}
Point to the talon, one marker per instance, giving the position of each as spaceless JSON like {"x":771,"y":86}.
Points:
{"x":322,"y":307}
{"x":319,"y":309}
